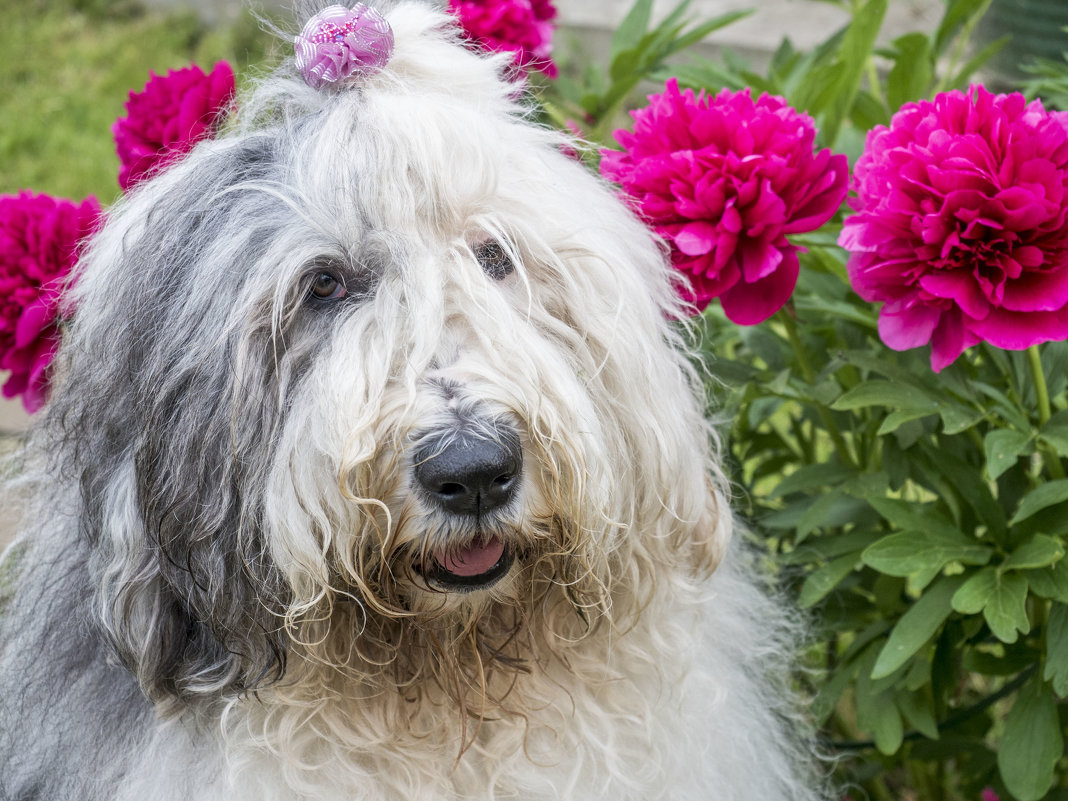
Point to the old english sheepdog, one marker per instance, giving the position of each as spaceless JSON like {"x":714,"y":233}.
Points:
{"x":376,"y":468}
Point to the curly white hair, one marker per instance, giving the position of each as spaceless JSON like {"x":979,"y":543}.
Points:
{"x":376,"y":468}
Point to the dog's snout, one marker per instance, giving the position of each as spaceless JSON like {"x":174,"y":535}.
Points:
{"x":470,"y":476}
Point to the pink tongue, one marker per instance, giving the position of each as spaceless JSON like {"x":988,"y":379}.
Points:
{"x":472,"y":561}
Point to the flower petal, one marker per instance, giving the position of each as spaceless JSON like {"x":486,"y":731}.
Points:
{"x":753,"y":303}
{"x":903,"y":326}
{"x":696,"y":239}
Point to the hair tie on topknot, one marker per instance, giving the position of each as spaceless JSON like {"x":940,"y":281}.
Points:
{"x":338,"y":43}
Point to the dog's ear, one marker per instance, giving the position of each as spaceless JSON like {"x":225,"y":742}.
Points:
{"x":170,"y":390}
{"x":199,"y":488}
{"x":190,"y":599}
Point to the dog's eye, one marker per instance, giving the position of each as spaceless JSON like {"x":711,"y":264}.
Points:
{"x":494,"y":260}
{"x":327,"y":286}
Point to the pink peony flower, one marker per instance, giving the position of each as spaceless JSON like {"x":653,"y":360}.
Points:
{"x":39,"y":241}
{"x":961,"y":227}
{"x":724,"y":180}
{"x":522,"y":26}
{"x":165,"y":119}
{"x":988,"y":794}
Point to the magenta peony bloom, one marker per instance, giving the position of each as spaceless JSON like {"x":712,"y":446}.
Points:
{"x":39,"y":241}
{"x":165,"y":119}
{"x":961,"y":227}
{"x":724,"y":180}
{"x":522,"y":26}
{"x":988,"y":794}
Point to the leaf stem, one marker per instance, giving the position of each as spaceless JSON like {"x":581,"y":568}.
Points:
{"x":1034,"y":359}
{"x":1038,"y":376}
{"x":873,"y":81}
{"x":809,"y":374}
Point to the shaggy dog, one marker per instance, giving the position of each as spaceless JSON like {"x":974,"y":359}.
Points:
{"x":376,"y":468}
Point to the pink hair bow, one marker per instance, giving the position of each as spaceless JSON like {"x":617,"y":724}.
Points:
{"x":340,"y":42}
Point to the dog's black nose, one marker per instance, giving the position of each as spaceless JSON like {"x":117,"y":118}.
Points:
{"x":470,"y":476}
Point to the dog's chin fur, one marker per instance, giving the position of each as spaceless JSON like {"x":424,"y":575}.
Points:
{"x":225,"y":583}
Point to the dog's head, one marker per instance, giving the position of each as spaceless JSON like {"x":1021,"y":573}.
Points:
{"x":380,"y":383}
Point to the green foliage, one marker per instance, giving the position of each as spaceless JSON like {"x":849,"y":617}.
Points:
{"x":1050,"y":82}
{"x":1032,"y":744}
{"x":922,"y":518}
{"x":636,"y":53}
{"x":68,"y":67}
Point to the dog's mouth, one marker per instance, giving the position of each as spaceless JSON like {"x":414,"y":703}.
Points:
{"x":477,"y":566}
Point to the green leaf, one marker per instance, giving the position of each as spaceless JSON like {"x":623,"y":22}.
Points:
{"x":828,"y":547}
{"x":924,"y":553}
{"x":674,"y":17}
{"x":895,"y":463}
{"x":1003,"y":406}
{"x":917,"y":709}
{"x":1013,"y":660}
{"x":918,"y":625}
{"x":1055,"y":433}
{"x":1050,"y":582}
{"x":695,"y":35}
{"x":956,"y":16}
{"x":1001,"y":597}
{"x":823,"y":84}
{"x":836,"y":309}
{"x":911,"y":516}
{"x":632,"y":28}
{"x":963,"y":75}
{"x":818,"y":514}
{"x":885,"y":393}
{"x":1032,"y":743}
{"x":911,"y":75}
{"x":876,"y":711}
{"x":624,"y":67}
{"x":974,"y":594}
{"x":819,"y":583}
{"x":868,"y":485}
{"x":1048,"y":494}
{"x":699,"y":74}
{"x":971,"y":487}
{"x":784,"y":57}
{"x":827,"y":699}
{"x":635,"y":55}
{"x":896,"y":419}
{"x":856,"y":50}
{"x":868,"y":111}
{"x":1056,"y":668}
{"x":821,"y":474}
{"x":957,"y":418}
{"x":888,"y":730}
{"x":912,"y":403}
{"x":1055,"y":366}
{"x":1002,"y":448}
{"x":1039,"y":551}
{"x":874,"y":630}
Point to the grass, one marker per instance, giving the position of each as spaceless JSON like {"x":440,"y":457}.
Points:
{"x":67,"y":69}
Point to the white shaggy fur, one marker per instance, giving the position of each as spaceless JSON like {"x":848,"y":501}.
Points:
{"x":223,"y":589}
